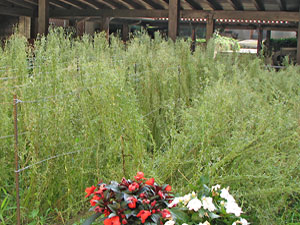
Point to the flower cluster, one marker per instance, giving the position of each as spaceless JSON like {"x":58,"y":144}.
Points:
{"x":136,"y":201}
{"x":209,"y":206}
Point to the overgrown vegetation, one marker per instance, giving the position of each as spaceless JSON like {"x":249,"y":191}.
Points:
{"x":175,"y":115}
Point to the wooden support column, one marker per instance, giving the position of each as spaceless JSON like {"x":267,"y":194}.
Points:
{"x":105,"y":26}
{"x":125,"y":32}
{"x":268,"y":40}
{"x":298,"y":43}
{"x":174,"y":17}
{"x":209,"y":27}
{"x":43,"y":19}
{"x":259,"y":40}
{"x":193,"y":47}
{"x":33,"y":27}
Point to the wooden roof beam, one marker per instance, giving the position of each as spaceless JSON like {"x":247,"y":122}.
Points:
{"x":16,"y":11}
{"x":60,"y":4}
{"x":259,"y":5}
{"x":75,"y":4}
{"x":236,"y":4}
{"x":214,"y":5}
{"x":282,"y":4}
{"x":22,"y":4}
{"x":194,"y":4}
{"x":134,"y":4}
{"x":95,"y":4}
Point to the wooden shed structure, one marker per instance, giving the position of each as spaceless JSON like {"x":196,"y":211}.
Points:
{"x":243,"y":14}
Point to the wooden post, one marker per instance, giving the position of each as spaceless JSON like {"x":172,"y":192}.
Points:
{"x":43,"y":19}
{"x":268,"y":40}
{"x":193,"y":47}
{"x":259,"y":40}
{"x":209,"y":27}
{"x":298,"y":44}
{"x":125,"y":32}
{"x":174,"y":17}
{"x":105,"y":26}
{"x":33,"y":27}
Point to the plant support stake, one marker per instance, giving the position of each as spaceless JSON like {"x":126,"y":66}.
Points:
{"x":17,"y":159}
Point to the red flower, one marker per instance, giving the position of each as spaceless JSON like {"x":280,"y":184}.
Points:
{"x":150,"y":182}
{"x":133,"y":186}
{"x":161,"y":195}
{"x":124,"y":221}
{"x":153,"y":203}
{"x":165,"y":213}
{"x":132,"y":204}
{"x":112,"y":221}
{"x":94,"y":199}
{"x":124,"y":182}
{"x":139,"y":176}
{"x":144,"y":214}
{"x":168,"y":188}
{"x":90,"y":190}
{"x":142,"y":195}
{"x":106,"y":212}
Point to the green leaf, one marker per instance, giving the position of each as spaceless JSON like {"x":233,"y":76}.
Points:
{"x":213,"y":215}
{"x":91,"y":219}
{"x":179,"y":216}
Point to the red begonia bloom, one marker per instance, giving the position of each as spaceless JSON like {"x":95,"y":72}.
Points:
{"x":90,"y":190}
{"x":153,"y":203}
{"x":133,"y":186}
{"x":94,"y":199}
{"x":161,"y":195}
{"x":139,"y":176}
{"x":112,"y":221}
{"x":165,"y":213}
{"x":142,"y":195}
{"x":132,"y":204}
{"x":144,"y":214}
{"x":150,"y":182}
{"x":106,"y":212}
{"x":168,"y":188}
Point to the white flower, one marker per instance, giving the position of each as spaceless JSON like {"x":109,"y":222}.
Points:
{"x":225,"y":194}
{"x":195,"y":204}
{"x":194,"y":194}
{"x":242,"y":222}
{"x":186,"y":198}
{"x":208,"y":204}
{"x":170,"y":222}
{"x":174,"y":202}
{"x":184,"y":224}
{"x":232,"y":207}
{"x":216,"y":187}
{"x":205,"y":223}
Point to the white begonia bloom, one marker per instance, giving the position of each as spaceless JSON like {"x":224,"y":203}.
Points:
{"x":208,"y":204}
{"x":194,"y":194}
{"x":216,"y":187}
{"x":170,"y":222}
{"x":225,"y":194}
{"x":174,"y":202}
{"x":232,"y":207}
{"x":242,"y":222}
{"x":205,"y":223}
{"x":195,"y":204}
{"x":184,"y":224}
{"x":186,"y":199}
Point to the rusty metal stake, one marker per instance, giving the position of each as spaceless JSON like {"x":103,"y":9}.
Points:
{"x":17,"y":159}
{"x":123,"y":155}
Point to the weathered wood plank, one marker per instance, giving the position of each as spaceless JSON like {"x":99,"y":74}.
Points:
{"x":15,"y":11}
{"x":209,"y":27}
{"x":43,"y":17}
{"x":173,"y":23}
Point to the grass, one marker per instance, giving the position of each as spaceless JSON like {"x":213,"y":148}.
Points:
{"x":180,"y":116}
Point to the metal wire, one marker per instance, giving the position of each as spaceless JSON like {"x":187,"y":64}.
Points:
{"x":12,"y":135}
{"x":52,"y":157}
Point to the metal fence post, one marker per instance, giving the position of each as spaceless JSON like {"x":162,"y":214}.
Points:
{"x":17,"y":159}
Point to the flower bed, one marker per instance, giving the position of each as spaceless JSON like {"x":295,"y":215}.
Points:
{"x":143,"y":201}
